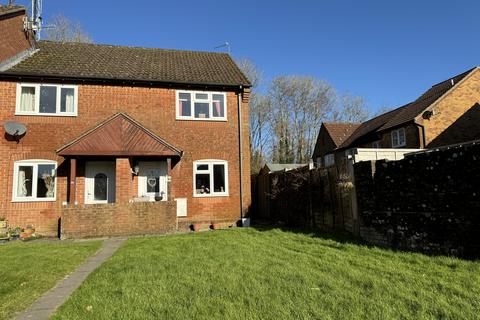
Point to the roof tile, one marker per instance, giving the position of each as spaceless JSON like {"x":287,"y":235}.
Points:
{"x":93,"y":61}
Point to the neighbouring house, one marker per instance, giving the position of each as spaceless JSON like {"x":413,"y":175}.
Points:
{"x":330,"y":137}
{"x":447,"y":113}
{"x":109,"y":127}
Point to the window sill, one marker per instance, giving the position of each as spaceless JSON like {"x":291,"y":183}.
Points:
{"x":45,"y":114}
{"x":202,"y":119}
{"x":33,"y":200}
{"x":399,"y":146}
{"x":211,"y":195}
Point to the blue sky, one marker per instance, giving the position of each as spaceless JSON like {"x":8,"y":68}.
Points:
{"x":386,"y":51}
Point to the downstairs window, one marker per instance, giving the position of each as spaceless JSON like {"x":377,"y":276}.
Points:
{"x":34,"y":180}
{"x":210,"y":178}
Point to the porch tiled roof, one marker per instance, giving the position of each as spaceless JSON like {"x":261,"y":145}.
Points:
{"x":119,"y":135}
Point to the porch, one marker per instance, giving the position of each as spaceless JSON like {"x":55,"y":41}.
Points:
{"x":119,"y":161}
{"x":118,"y":181}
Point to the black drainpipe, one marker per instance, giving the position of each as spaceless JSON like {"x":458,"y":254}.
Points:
{"x":240,"y":151}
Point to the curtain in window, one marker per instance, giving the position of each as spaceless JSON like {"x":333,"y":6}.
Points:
{"x":218,"y":109}
{"x":24,"y":184}
{"x":27,"y":99}
{"x":69,"y":101}
{"x":21,"y":184}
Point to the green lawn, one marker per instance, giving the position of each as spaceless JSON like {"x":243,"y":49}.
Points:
{"x":29,"y":269}
{"x":273,"y":274}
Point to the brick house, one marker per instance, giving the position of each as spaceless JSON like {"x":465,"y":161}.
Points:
{"x":111,"y":126}
{"x":447,"y":113}
{"x":330,"y":137}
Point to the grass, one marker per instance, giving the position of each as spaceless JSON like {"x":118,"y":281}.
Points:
{"x":273,"y":274}
{"x":29,"y":269}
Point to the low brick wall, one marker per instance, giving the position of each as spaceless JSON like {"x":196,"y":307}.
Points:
{"x":428,"y":202}
{"x":118,"y":219}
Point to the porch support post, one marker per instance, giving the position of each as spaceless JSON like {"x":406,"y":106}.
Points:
{"x":123,"y":180}
{"x":73,"y":180}
{"x":169,"y":178}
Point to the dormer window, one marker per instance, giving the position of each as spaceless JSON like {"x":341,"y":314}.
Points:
{"x":201,"y":105}
{"x":46,"y":99}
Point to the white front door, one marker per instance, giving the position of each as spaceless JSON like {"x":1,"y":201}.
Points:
{"x":99,"y":182}
{"x":152,"y":180}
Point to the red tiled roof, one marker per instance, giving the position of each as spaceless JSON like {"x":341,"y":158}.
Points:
{"x":339,"y":131}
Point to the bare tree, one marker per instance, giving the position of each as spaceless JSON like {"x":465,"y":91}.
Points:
{"x":259,"y":116}
{"x":383,"y":109}
{"x":299,"y":105}
{"x":64,"y":30}
{"x":351,"y":109}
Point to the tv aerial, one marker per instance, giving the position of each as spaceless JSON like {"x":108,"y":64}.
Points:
{"x":226,"y":44}
{"x":14,"y":129}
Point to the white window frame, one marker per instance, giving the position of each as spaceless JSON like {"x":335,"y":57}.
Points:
{"x":331,"y":160}
{"x":34,"y":163}
{"x":210,"y":163}
{"x":37,"y":112}
{"x":193,"y":100}
{"x":395,"y":135}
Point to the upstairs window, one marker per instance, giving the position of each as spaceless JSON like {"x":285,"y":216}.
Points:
{"x":200,"y":105}
{"x":210,"y":178}
{"x":398,"y":138}
{"x":46,"y":99}
{"x":376,"y":144}
{"x":34,"y":180}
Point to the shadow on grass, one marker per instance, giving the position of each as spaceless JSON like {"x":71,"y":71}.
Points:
{"x":334,"y":235}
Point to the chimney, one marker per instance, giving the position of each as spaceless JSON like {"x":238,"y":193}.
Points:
{"x":15,"y":41}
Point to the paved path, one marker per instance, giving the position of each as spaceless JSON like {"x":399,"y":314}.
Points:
{"x":46,"y":305}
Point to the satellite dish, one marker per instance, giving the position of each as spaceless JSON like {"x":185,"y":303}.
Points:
{"x":14,"y":128}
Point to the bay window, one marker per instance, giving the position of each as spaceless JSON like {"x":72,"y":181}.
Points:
{"x":199,"y":105}
{"x":34,"y":180}
{"x":210,"y":178}
{"x":46,"y":99}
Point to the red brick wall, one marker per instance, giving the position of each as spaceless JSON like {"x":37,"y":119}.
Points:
{"x":118,"y":219}
{"x":13,"y":38}
{"x":154,"y":108}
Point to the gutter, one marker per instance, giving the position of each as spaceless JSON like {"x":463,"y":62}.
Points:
{"x":113,"y":81}
{"x":424,"y":141}
{"x":240,"y":143}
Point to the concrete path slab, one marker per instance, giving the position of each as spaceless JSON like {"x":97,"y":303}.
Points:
{"x":45,"y":306}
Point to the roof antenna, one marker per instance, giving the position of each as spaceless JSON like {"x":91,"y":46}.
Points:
{"x":452,"y":82}
{"x":224,"y":45}
{"x":34,"y":22}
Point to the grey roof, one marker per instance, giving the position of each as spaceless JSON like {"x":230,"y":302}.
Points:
{"x":108,"y":62}
{"x":273,"y":167}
